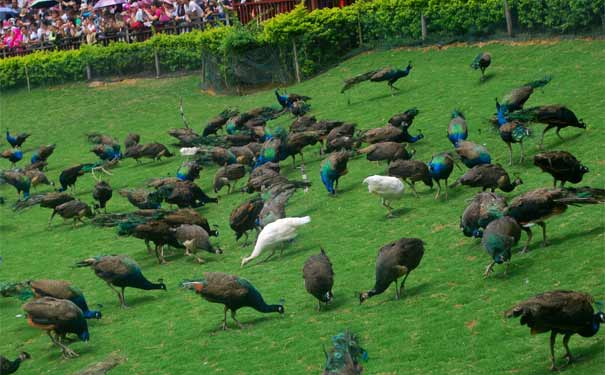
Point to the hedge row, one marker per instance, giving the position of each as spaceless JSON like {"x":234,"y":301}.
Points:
{"x":321,"y":36}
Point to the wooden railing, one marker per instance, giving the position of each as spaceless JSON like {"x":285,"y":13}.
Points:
{"x":262,"y":10}
{"x":320,"y":4}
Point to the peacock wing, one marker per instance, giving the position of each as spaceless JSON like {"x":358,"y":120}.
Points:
{"x":565,"y":310}
{"x":224,"y":288}
{"x":114,"y":267}
{"x":50,"y":310}
{"x":53,"y":288}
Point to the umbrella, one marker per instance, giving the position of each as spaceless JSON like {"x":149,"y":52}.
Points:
{"x":108,"y":3}
{"x":6,"y":13}
{"x":44,"y":3}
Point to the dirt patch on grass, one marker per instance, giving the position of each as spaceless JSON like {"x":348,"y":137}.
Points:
{"x":116,"y":83}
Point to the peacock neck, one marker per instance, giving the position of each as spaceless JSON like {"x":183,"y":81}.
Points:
{"x":593,"y":328}
{"x":507,"y":187}
{"x":14,"y":366}
{"x":142,"y":283}
{"x":264,"y":308}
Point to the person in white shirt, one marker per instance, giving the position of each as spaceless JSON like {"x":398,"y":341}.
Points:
{"x":195,"y":11}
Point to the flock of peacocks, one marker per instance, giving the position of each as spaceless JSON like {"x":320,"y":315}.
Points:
{"x":248,"y":147}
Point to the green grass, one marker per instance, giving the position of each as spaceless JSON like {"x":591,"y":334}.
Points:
{"x":450,"y":320}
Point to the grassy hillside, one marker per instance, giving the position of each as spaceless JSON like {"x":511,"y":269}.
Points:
{"x":450,"y":319}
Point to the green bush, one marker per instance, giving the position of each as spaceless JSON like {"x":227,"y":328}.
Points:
{"x":321,"y":37}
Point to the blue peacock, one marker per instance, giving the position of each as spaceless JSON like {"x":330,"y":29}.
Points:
{"x":18,"y":140}
{"x":20,"y":181}
{"x":440,"y":168}
{"x":387,"y":74}
{"x":332,"y":169}
{"x":13,"y":155}
{"x":457,"y":129}
{"x":345,"y":356}
{"x":511,"y":132}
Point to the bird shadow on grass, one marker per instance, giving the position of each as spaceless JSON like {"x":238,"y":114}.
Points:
{"x":248,"y":324}
{"x":558,"y":141}
{"x":486,"y":78}
{"x":582,"y":356}
{"x":536,"y":243}
{"x":134,"y":300}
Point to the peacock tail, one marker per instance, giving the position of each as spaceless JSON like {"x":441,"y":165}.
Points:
{"x":19,"y":289}
{"x":520,"y":132}
{"x":344,"y":343}
{"x":540,"y":82}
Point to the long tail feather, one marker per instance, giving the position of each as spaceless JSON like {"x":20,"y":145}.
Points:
{"x":357,"y":79}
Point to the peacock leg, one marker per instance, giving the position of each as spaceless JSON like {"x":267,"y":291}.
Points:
{"x":235,"y":320}
{"x":507,"y":265}
{"x":123,"y":299}
{"x":529,"y":236}
{"x":553,"y":337}
{"x":541,"y":146}
{"x":559,"y":135}
{"x":67,"y":352}
{"x":396,"y":290}
{"x":401,"y":287}
{"x":267,"y":258}
{"x":225,"y":319}
{"x":510,"y":153}
{"x":522,"y":153}
{"x":293,"y":161}
{"x":489,"y":269}
{"x":446,"y":189}
{"x":438,"y":189}
{"x":567,"y":352}
{"x":148,"y":247}
{"x":544,"y":239}
{"x":302,"y":158}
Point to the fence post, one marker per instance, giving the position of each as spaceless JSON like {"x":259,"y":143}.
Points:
{"x":157,"y":63}
{"x":203,"y":67}
{"x":359,"y":27}
{"x":127,"y":35}
{"x":296,"y":67}
{"x":27,"y":78}
{"x":423,"y":26}
{"x":509,"y":19}
{"x":88,"y":72}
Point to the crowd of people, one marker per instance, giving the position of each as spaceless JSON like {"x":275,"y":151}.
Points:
{"x":24,"y":25}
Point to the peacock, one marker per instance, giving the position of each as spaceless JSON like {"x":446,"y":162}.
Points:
{"x":37,"y":177}
{"x":43,"y":153}
{"x":10,"y":367}
{"x":98,"y":138}
{"x":107,"y":152}
{"x":265,"y":175}
{"x":47,"y":200}
{"x":143,"y":199}
{"x":217,"y":123}
{"x":515,"y":100}
{"x":498,"y":238}
{"x":562,"y":166}
{"x":132,"y":139}
{"x":535,"y":206}
{"x":120,"y":271}
{"x":58,"y":317}
{"x":245,"y":218}
{"x":472,"y":154}
{"x":511,"y":132}
{"x":102,"y":193}
{"x":186,"y":194}
{"x":388,"y":133}
{"x":395,"y":259}
{"x":482,"y":209}
{"x":488,"y":176}
{"x":554,"y":116}
{"x":228,"y":175}
{"x":189,"y":171}
{"x":345,"y":357}
{"x":245,"y":154}
{"x":275,"y":200}
{"x":387,"y":74}
{"x":562,"y":312}
{"x":457,"y":130}
{"x":319,"y":277}
{"x":277,"y":232}
{"x":194,"y":237}
{"x":287,"y":101}
{"x":404,"y":119}
{"x":387,"y":151}
{"x":18,"y":140}
{"x":231,"y":291}
{"x":411,"y":171}
{"x":296,"y":142}
{"x":440,"y":168}
{"x":482,"y":61}
{"x":341,"y":138}
{"x":13,"y":155}
{"x":187,"y":137}
{"x":387,"y":187}
{"x":274,"y":148}
{"x":69,"y":176}
{"x":153,"y":151}
{"x":222,"y":156}
{"x":20,"y":181}
{"x":61,"y":289}
{"x":73,"y":209}
{"x":332,"y":169}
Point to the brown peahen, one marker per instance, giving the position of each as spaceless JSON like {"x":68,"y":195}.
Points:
{"x":131,"y":139}
{"x":57,"y":317}
{"x":296,"y":142}
{"x":120,"y":271}
{"x":193,"y":238}
{"x":231,"y":291}
{"x":228,"y":175}
{"x":73,"y":209}
{"x":245,"y":217}
{"x":102,"y":193}
{"x":535,"y":206}
{"x":153,"y":151}
{"x":561,"y":312}
{"x":10,"y":367}
{"x":388,"y":133}
{"x":562,"y":166}
{"x":61,"y":289}
{"x":388,"y":151}
{"x":411,"y":171}
{"x":319,"y":277}
{"x":488,"y":176}
{"x":482,"y":210}
{"x":395,"y":259}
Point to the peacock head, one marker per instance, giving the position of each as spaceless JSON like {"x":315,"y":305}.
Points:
{"x":363,"y":296}
{"x":280,"y":309}
{"x":499,"y":259}
{"x":84,"y":336}
{"x":328,"y":297}
{"x":477,"y":233}
{"x":24,"y":355}
{"x":162,"y":285}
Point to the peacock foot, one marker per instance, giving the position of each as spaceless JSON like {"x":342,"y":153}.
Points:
{"x":524,"y":250}
{"x":68,"y":353}
{"x":200,"y":260}
{"x":545,"y":243}
{"x":554,"y":368}
{"x":570,"y":358}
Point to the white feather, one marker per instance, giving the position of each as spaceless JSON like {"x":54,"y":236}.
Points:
{"x":276,"y":232}
{"x":389,"y":188}
{"x":189,"y":151}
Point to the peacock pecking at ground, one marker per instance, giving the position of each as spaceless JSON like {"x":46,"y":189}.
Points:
{"x":387,"y":74}
{"x":515,"y":100}
{"x":58,"y":317}
{"x":411,"y":171}
{"x":395,"y":259}
{"x":37,"y":177}
{"x":217,"y":123}
{"x":498,"y":238}
{"x":122,"y":272}
{"x":143,"y":199}
{"x":245,"y":217}
{"x":511,"y":132}
{"x":482,"y":61}
{"x":488,"y":176}
{"x":387,"y":151}
{"x":346,"y":355}
{"x":286,"y":101}
{"x":440,"y":168}
{"x":319,"y":278}
{"x":554,"y":116}
{"x":18,"y":140}
{"x":332,"y":169}
{"x":189,"y":171}
{"x":13,"y":155}
{"x":107,"y":152}
{"x":277,"y":232}
{"x":153,"y":151}
{"x":194,"y":237}
{"x":535,"y":206}
{"x":482,"y":209}
{"x":187,"y":194}
{"x":73,"y":209}
{"x":296,"y":142}
{"x":388,"y":133}
{"x":43,"y":153}
{"x":387,"y":188}
{"x":341,"y":138}
{"x":275,"y":200}
{"x":562,"y":166}
{"x":69,"y":176}
{"x":102,"y":193}
{"x":457,"y":130}
{"x":231,"y":291}
{"x":10,"y":367}
{"x":561,"y":312}
{"x":61,"y":289}
{"x":187,"y":137}
{"x":132,"y":139}
{"x":228,"y":175}
{"x":404,"y":119}
{"x":246,"y":154}
{"x":263,"y":176}
{"x":20,"y":181}
{"x":472,"y":154}
{"x":47,"y":200}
